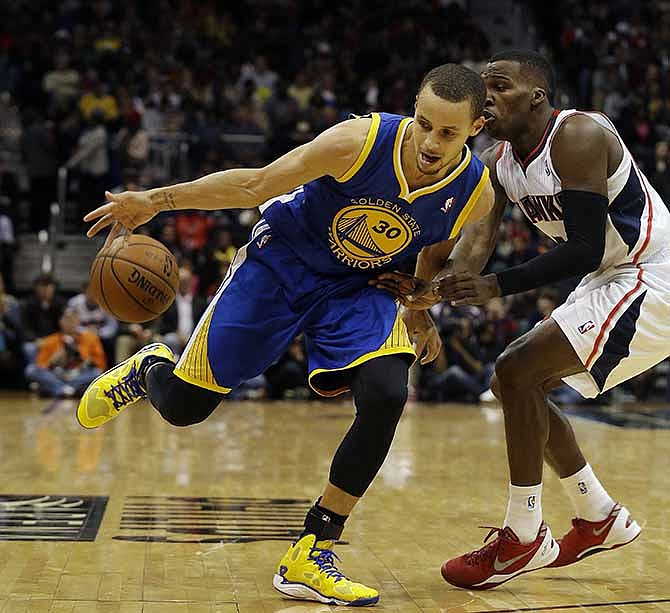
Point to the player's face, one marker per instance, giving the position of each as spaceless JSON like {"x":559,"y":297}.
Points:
{"x":508,"y":100}
{"x":440,"y":130}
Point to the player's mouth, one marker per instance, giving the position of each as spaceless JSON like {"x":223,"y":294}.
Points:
{"x":489,"y":117}
{"x":428,"y":159}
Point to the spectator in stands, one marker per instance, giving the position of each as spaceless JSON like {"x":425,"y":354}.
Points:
{"x":133,"y":336}
{"x":97,"y":101}
{"x":41,"y":313}
{"x":222,"y":250}
{"x":93,"y":318}
{"x":193,"y":230}
{"x":169,"y":237}
{"x":68,"y":360}
{"x":287,"y":378}
{"x":40,"y":156}
{"x":132,"y":142}
{"x":546,"y":302}
{"x":62,"y":82}
{"x":465,"y":359}
{"x":8,"y":244}
{"x":92,"y":162}
{"x":177,"y":323}
{"x":12,"y":360}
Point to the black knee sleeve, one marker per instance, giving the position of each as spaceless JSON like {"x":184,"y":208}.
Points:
{"x":380,"y":393}
{"x":180,"y":403}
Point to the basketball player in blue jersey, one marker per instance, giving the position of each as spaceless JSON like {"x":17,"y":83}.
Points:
{"x":573,"y":177}
{"x":363,"y":196}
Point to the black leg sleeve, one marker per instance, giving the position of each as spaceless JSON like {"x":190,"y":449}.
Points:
{"x":380,"y":393}
{"x":180,"y":403}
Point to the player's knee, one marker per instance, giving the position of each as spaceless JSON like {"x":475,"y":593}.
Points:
{"x":383,"y":400}
{"x":513,"y":367}
{"x":179,"y":403}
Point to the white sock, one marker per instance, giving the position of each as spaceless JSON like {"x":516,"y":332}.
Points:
{"x":589,"y":497}
{"x":524,"y":511}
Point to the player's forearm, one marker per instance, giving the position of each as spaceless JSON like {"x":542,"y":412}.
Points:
{"x":229,"y":189}
{"x":473,"y":250}
{"x":428,"y":268}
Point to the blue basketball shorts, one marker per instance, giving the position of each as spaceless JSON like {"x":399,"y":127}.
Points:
{"x":268,"y":297}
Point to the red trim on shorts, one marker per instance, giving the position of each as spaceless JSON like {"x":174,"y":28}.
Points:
{"x":650,"y":216}
{"x":613,"y":312}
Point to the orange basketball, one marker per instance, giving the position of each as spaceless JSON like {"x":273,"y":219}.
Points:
{"x":135,"y":278}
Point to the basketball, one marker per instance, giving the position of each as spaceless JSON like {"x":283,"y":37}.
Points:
{"x":134,"y":278}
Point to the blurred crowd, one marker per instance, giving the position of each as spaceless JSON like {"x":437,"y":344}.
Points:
{"x":128,"y":95}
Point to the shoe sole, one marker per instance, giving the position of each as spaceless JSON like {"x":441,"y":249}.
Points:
{"x":100,"y":376}
{"x":300,"y":591}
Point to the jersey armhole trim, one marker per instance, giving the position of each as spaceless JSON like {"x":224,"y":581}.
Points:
{"x":367,"y":147}
{"x":470,"y":204}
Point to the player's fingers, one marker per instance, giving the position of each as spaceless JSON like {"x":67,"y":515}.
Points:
{"x":99,"y":212}
{"x":117,"y":230}
{"x":420,"y":344}
{"x":100,"y":224}
{"x":472,"y":300}
{"x":388,"y":286}
{"x":433,"y":348}
{"x":396,"y":276}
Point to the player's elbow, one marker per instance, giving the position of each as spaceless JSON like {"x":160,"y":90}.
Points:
{"x":589,"y":257}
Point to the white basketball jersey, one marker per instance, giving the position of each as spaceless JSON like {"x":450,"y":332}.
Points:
{"x":638,"y":224}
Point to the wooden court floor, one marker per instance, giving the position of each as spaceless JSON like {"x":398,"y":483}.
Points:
{"x":142,"y":517}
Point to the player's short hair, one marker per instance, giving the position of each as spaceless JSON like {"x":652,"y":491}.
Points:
{"x":533,"y":66}
{"x":456,"y":83}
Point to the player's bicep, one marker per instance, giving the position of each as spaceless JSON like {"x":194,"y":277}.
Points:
{"x":579,"y":155}
{"x":332,"y":153}
{"x":483,"y":206}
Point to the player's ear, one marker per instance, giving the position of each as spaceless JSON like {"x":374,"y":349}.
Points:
{"x":538,"y":96}
{"x":477,"y":126}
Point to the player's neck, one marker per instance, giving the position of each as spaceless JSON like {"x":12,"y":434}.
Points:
{"x":530,"y":138}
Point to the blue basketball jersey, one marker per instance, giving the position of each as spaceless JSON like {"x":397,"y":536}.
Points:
{"x":368,"y":219}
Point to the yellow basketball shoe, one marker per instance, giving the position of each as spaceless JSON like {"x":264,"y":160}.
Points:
{"x":117,"y":388}
{"x":308,"y":572}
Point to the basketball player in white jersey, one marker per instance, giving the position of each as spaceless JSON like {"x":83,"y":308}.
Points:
{"x":575,"y":180}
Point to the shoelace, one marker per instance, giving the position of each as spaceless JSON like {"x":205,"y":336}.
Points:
{"x":488,"y":552}
{"x":126,"y":390}
{"x":325,"y":560}
{"x":579,"y":525}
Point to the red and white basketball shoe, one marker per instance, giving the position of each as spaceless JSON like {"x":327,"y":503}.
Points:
{"x":589,"y":537}
{"x":501,"y":560}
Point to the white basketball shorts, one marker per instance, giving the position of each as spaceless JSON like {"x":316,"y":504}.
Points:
{"x":618,"y":323}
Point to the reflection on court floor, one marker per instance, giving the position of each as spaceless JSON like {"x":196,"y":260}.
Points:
{"x":197,"y":518}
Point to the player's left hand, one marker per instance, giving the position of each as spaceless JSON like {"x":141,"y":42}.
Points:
{"x":412,"y":292}
{"x":461,"y":288}
{"x":424,"y":332}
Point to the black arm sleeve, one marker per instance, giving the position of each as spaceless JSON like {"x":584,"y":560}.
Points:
{"x":585,"y":219}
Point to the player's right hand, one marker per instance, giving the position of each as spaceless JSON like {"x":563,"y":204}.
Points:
{"x":412,"y":292}
{"x":425,"y":335}
{"x":130,"y":209}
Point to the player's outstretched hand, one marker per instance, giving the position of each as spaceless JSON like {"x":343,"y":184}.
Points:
{"x":461,"y":288}
{"x":130,"y":209}
{"x":426,"y":337}
{"x":412,"y":292}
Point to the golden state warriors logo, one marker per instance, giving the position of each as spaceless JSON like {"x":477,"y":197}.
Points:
{"x":368,"y":237}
